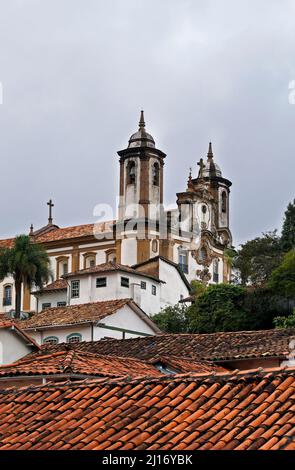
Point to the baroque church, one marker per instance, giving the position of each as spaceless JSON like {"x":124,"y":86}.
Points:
{"x":154,"y":252}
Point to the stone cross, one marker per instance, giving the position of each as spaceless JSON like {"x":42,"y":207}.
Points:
{"x":202,"y":165}
{"x":51,"y":205}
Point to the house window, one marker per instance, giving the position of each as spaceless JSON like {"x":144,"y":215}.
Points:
{"x":61,"y":304}
{"x":143,"y":285}
{"x":156,"y":174}
{"x":154,"y":290}
{"x":183,"y":260}
{"x":124,"y":281}
{"x":75,"y":289}
{"x":223,"y":202}
{"x":74,"y":338}
{"x":7,"y":299}
{"x":131,"y":173}
{"x":101,"y":282}
{"x":50,"y":340}
{"x":46,"y":305}
{"x":215,"y":271}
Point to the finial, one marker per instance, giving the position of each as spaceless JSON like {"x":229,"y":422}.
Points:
{"x":32,"y":229}
{"x":141,"y":121}
{"x":51,"y":205}
{"x":210,"y":152}
{"x":190,"y":183}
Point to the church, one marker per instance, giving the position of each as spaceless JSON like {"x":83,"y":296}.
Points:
{"x":147,"y":254}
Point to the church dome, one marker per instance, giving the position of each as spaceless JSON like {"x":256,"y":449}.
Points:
{"x":141,"y":138}
{"x":210,"y":168}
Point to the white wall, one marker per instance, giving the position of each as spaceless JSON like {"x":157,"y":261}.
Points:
{"x":174,"y":288}
{"x":51,"y":297}
{"x":12,"y":345}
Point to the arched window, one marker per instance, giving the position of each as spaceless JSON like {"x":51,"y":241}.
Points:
{"x":204,"y":212}
{"x":156,"y":174}
{"x":216,"y":270}
{"x":203,"y":254}
{"x":7,"y":298}
{"x":224,"y":202}
{"x":155,"y":246}
{"x":183,"y":259}
{"x":74,"y":338}
{"x":62,"y":266}
{"x":89,"y":260}
{"x":50,"y":340}
{"x":110,"y":256}
{"x":131,"y":173}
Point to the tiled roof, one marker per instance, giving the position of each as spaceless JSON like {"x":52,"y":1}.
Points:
{"x":109,"y":267}
{"x":216,"y":346}
{"x":183,"y":364}
{"x":11,"y":325}
{"x":59,"y":284}
{"x":65,"y":233}
{"x":187,"y":412}
{"x":78,"y":362}
{"x":74,"y":314}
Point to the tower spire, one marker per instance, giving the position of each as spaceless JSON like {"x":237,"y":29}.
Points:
{"x":141,"y":121}
{"x":210,"y":152}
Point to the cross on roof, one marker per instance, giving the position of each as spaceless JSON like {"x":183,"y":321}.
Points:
{"x":51,"y":205}
{"x":202,"y":165}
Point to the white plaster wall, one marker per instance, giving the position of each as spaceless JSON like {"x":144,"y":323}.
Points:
{"x":174,"y":288}
{"x":13,"y":346}
{"x":129,"y":251}
{"x":51,"y":297}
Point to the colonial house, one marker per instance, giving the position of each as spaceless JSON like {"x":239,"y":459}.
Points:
{"x":193,"y":236}
{"x":112,"y":280}
{"x":94,"y":321}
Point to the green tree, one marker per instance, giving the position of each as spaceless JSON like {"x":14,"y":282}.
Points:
{"x":28,"y":263}
{"x":288,"y":231}
{"x":282,"y":279}
{"x":172,"y":319}
{"x":285,"y":322}
{"x":197,"y":288}
{"x":257,"y":258}
{"x":219,"y":308}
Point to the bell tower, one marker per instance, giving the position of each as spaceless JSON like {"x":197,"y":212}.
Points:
{"x":141,"y":192}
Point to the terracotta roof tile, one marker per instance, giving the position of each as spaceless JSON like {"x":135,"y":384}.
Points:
{"x":59,"y":284}
{"x":211,"y":347}
{"x":74,"y":314}
{"x":109,"y":267}
{"x":128,"y":414}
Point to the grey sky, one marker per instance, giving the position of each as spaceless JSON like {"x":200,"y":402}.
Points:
{"x":76,"y":73}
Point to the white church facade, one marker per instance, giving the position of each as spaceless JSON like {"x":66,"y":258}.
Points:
{"x":147,"y":254}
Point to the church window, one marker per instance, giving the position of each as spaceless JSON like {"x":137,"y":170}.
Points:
{"x":155,"y":246}
{"x":215,"y":271}
{"x":7,"y":299}
{"x":111,"y":256}
{"x":203,"y":254}
{"x":74,"y":338}
{"x":131,"y":173}
{"x":89,"y":260}
{"x":62,"y":266}
{"x":154,"y":290}
{"x":50,"y":340}
{"x":124,"y":281}
{"x":223,"y":202}
{"x":46,"y":305}
{"x":156,"y":174}
{"x":183,"y":260}
{"x":101,"y":282}
{"x":75,"y":289}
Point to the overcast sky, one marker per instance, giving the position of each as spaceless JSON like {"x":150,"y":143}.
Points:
{"x":75,"y":74}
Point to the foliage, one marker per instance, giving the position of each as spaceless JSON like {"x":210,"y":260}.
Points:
{"x":257,"y":258}
{"x":197,"y":288}
{"x":288,"y":231}
{"x":282,"y":279}
{"x":219,"y":308}
{"x":285,"y":322}
{"x":172,"y":319}
{"x":27,"y":262}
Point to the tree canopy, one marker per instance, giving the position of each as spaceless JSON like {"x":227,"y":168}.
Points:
{"x":288,"y":230}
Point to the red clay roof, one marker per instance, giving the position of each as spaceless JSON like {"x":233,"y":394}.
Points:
{"x":109,"y":267}
{"x":78,"y":362}
{"x":216,"y":346}
{"x":74,"y":314}
{"x":65,"y":233}
{"x":59,"y":284}
{"x":187,"y":412}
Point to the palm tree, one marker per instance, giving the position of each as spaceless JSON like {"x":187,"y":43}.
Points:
{"x":28,"y":263}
